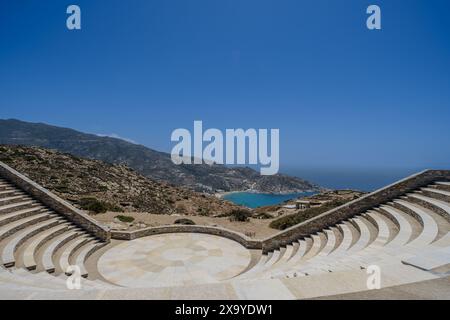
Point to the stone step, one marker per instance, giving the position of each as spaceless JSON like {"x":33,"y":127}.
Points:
{"x":17,"y":239}
{"x":288,"y":252}
{"x":10,"y":193}
{"x":406,"y":232}
{"x":364,"y":236}
{"x":442,"y":185}
{"x":371,"y":225}
{"x":436,"y":194}
{"x":278,"y":258}
{"x":276,"y":254}
{"x":13,"y":199}
{"x":430,"y":228}
{"x":318,"y":242}
{"x":330,"y":243}
{"x":28,"y":257}
{"x":6,"y":186}
{"x":17,"y":206}
{"x":303,"y":247}
{"x":13,"y":227}
{"x":83,"y":253}
{"x":68,"y":251}
{"x":343,"y":260}
{"x":323,"y":264}
{"x":17,"y":215}
{"x":49,"y":251}
{"x":440,"y":207}
{"x":256,"y":268}
{"x":385,"y":231}
{"x":315,"y":248}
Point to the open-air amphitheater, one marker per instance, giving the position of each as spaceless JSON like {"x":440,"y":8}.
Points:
{"x":402,"y":230}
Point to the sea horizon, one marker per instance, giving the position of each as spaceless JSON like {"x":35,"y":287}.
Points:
{"x":359,"y":179}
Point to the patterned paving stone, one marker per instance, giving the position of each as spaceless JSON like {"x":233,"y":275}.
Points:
{"x":173,"y":260}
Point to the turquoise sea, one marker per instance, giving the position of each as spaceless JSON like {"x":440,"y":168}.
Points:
{"x":255,"y":200}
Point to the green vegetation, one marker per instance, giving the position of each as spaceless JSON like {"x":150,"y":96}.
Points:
{"x":263,"y":216}
{"x":96,"y":206}
{"x":293,"y":219}
{"x":63,"y":188}
{"x":241,"y":215}
{"x":184,"y":221}
{"x":203,"y":211}
{"x":103,"y":188}
{"x":6,"y":158}
{"x":123,"y":218}
{"x":93,"y":205}
{"x":30,"y":157}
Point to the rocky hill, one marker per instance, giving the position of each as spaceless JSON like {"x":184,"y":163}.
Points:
{"x":95,"y":185}
{"x":150,"y":163}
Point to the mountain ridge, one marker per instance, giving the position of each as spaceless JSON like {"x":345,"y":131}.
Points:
{"x":148,"y":162}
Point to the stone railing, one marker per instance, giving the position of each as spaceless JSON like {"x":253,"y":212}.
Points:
{"x":238,"y":237}
{"x":353,"y":208}
{"x":55,"y":203}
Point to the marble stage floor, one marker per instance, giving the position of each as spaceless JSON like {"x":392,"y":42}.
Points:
{"x":173,"y":260}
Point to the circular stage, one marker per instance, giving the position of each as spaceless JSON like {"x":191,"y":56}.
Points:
{"x":173,"y":259}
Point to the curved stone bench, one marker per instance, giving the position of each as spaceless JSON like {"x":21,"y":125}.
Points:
{"x":19,"y":238}
{"x":50,"y":250}
{"x":438,"y":206}
{"x":330,"y":244}
{"x":364,"y":236}
{"x":83,"y":253}
{"x":17,"y":206}
{"x":10,"y":192}
{"x":14,"y":199}
{"x":442,"y":185}
{"x":443,"y":195}
{"x":13,"y":227}
{"x":326,"y":262}
{"x":385,"y":233}
{"x":28,"y":257}
{"x":20,"y":214}
{"x":430,"y":228}
{"x":280,"y":270}
{"x":405,"y":228}
{"x":68,"y":251}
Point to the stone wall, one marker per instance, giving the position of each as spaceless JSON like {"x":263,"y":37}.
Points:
{"x":55,"y":203}
{"x":353,"y":208}
{"x":240,"y":238}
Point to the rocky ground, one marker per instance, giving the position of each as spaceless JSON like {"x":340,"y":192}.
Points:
{"x":92,"y":184}
{"x":109,"y":191}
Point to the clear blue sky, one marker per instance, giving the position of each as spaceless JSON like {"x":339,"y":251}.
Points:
{"x":341,"y":95}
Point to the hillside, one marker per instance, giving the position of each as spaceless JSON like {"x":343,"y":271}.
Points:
{"x":86,"y":182}
{"x":154,"y":164}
